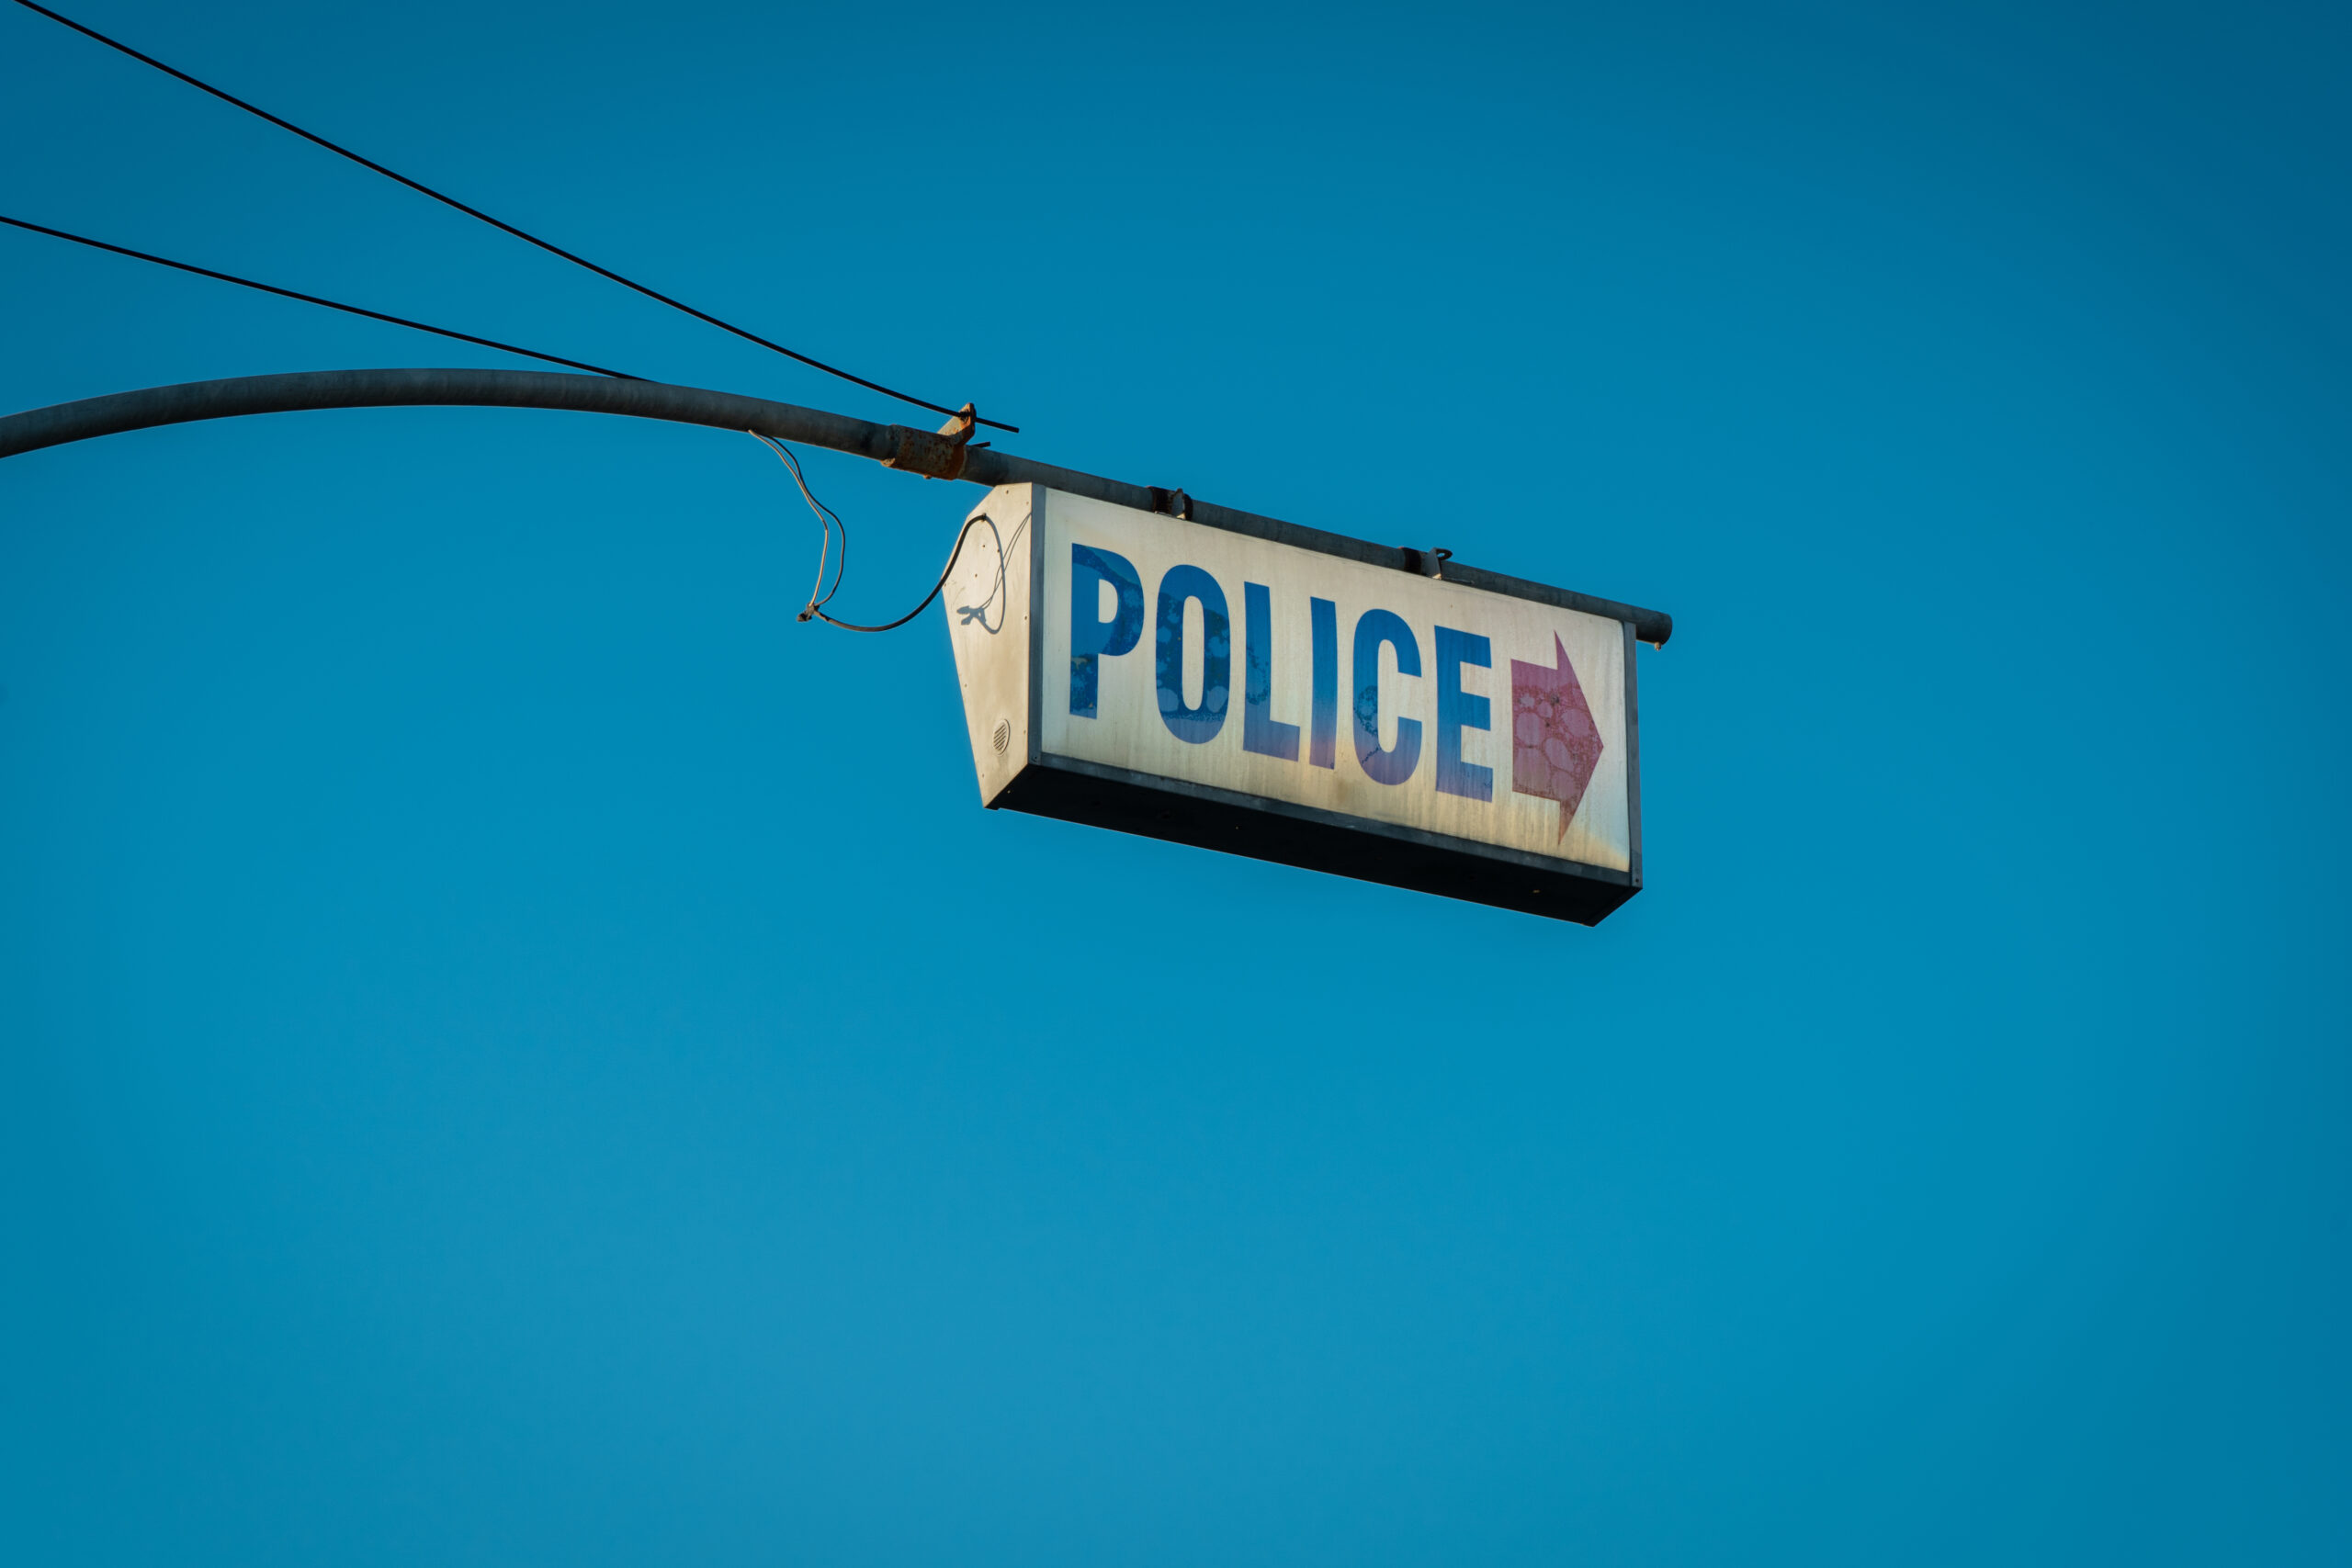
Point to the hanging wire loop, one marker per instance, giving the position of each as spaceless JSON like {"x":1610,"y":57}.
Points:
{"x":829,"y":522}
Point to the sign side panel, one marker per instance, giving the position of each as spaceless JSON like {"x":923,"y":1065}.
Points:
{"x":987,"y":601}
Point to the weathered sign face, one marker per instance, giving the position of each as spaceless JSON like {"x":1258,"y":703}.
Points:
{"x":1246,"y":692}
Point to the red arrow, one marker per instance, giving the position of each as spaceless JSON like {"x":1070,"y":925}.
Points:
{"x":1555,"y":744}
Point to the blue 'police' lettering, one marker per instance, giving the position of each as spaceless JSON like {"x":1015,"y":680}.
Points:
{"x":1260,"y":731}
{"x":1323,"y":718}
{"x":1091,"y":638}
{"x":1456,"y":711}
{"x":1200,"y":725}
{"x":1396,"y":765}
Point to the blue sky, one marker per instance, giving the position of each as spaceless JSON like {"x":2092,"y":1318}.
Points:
{"x":512,"y":1050}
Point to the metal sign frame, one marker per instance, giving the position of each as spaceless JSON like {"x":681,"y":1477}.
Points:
{"x":1076,"y":789}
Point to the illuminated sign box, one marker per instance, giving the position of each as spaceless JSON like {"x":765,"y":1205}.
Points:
{"x":1292,"y":695}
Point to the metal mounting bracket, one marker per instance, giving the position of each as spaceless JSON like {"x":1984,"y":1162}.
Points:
{"x":935,"y":455}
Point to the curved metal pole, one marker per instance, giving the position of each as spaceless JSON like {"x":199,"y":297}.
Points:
{"x":190,"y":401}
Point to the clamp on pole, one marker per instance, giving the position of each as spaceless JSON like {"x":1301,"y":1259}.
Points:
{"x":935,"y":454}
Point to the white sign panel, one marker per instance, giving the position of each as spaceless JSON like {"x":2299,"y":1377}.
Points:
{"x":1236,"y":690}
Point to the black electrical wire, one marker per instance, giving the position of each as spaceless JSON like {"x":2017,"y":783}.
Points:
{"x":313,"y":300}
{"x":830,"y":520}
{"x":962,"y":535}
{"x":452,"y":201}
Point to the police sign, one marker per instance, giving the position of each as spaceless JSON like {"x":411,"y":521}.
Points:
{"x":1248,"y":685}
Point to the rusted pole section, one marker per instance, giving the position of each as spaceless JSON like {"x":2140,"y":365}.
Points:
{"x":896,"y":445}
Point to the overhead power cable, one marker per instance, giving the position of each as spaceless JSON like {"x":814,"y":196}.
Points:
{"x":313,"y":299}
{"x":452,"y":201}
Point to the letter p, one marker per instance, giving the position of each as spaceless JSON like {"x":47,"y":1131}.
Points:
{"x":1091,"y":636}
